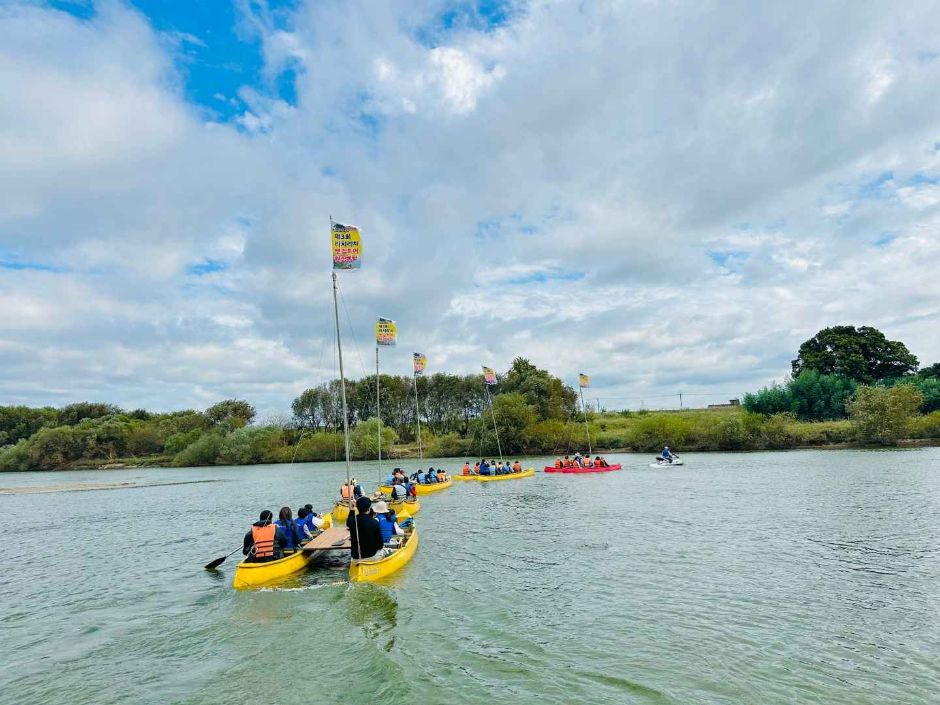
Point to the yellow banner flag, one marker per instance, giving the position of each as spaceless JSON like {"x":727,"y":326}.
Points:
{"x":386,"y":332}
{"x":489,"y":376}
{"x":347,"y":246}
{"x":421,"y":362}
{"x":583,"y":380}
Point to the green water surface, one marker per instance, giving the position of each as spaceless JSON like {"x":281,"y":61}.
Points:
{"x":800,"y":577}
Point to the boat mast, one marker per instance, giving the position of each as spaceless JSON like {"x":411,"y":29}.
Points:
{"x":378,"y":411}
{"x":586,"y":427}
{"x":493,"y":414}
{"x":418,"y":419}
{"x":342,"y":386}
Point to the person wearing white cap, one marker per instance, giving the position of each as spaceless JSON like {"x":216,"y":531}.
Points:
{"x":388,"y":522}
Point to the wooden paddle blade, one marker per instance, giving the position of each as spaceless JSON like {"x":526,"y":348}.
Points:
{"x":216,"y":563}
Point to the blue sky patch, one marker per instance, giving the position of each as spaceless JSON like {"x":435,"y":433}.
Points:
{"x":18,"y":266}
{"x":885,"y":240}
{"x":552,"y":275}
{"x":727,"y":258}
{"x":209,"y":266}
{"x":468,"y":15}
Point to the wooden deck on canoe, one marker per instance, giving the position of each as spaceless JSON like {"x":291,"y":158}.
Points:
{"x":333,"y":539}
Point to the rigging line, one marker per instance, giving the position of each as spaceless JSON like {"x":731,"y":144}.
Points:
{"x":352,"y":335}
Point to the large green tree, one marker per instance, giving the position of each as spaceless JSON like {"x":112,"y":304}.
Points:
{"x":863,"y":354}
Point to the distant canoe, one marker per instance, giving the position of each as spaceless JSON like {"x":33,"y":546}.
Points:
{"x":422,"y":488}
{"x":582,"y":471}
{"x":528,"y":472}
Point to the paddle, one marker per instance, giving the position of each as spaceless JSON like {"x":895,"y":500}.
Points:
{"x":219,"y":561}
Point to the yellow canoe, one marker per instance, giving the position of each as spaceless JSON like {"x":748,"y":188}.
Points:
{"x":341,"y":510}
{"x":528,"y":472}
{"x":412,"y":506}
{"x":248,"y":575}
{"x":371,"y":570}
{"x":422,"y":488}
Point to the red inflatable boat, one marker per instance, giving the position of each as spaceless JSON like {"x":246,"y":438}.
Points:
{"x":578,"y":471}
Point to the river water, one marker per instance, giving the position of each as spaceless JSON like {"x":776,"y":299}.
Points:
{"x":800,"y":577}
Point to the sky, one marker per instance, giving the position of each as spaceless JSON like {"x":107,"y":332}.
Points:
{"x":668,"y":196}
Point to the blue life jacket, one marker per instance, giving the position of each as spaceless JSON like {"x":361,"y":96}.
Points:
{"x":420,"y":476}
{"x":432,"y":476}
{"x":299,"y":525}
{"x":290,"y":533}
{"x":485,"y":469}
{"x":666,"y":453}
{"x":387,"y":526}
{"x":309,"y":524}
{"x":390,"y":480}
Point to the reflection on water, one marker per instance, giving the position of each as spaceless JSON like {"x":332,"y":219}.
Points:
{"x":777,"y":578}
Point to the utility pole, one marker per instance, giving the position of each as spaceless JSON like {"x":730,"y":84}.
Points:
{"x":680,"y":401}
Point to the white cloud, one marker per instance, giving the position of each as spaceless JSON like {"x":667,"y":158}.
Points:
{"x":710,"y":206}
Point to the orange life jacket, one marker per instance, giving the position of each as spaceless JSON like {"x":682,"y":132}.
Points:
{"x":345,"y":492}
{"x":567,"y":463}
{"x":466,"y":468}
{"x":263,"y":536}
{"x":557,"y":462}
{"x":516,"y":466}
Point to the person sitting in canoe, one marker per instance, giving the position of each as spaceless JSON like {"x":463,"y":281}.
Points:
{"x":285,"y":522}
{"x":264,"y":540}
{"x":418,"y":477}
{"x":431,"y":476}
{"x":399,"y":491}
{"x":466,"y":469}
{"x":388,"y":522}
{"x":599,"y":462}
{"x":566,"y":463}
{"x":312,"y":520}
{"x":365,"y":534}
{"x":303,"y":526}
{"x":558,"y":463}
{"x":484,"y":467}
{"x":517,"y":466}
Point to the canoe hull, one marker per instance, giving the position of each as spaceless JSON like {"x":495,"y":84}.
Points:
{"x":582,"y":471}
{"x":528,"y":472}
{"x":370,"y":571}
{"x":250,"y":575}
{"x":421,"y":489}
{"x":341,"y":510}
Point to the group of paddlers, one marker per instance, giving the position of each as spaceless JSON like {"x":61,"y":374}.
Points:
{"x":580,"y":461}
{"x":491,"y":467}
{"x":268,"y":540}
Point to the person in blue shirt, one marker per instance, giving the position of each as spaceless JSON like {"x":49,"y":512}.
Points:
{"x":390,"y":480}
{"x":286,"y":523}
{"x":432,"y":475}
{"x":667,"y":456}
{"x":388,"y":522}
{"x":312,"y":522}
{"x":420,"y":477}
{"x":485,"y":467}
{"x":357,"y":488}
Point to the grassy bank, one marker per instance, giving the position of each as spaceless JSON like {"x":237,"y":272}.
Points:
{"x":642,"y":432}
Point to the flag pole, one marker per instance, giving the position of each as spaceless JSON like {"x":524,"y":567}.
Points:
{"x":378,"y":409}
{"x":493,"y":414}
{"x":586,"y":427}
{"x":418,"y":419}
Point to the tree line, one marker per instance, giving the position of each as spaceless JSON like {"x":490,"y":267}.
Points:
{"x":848,"y":385}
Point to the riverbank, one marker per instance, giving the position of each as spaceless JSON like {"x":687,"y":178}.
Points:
{"x":166,"y":461}
{"x":123,"y":442}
